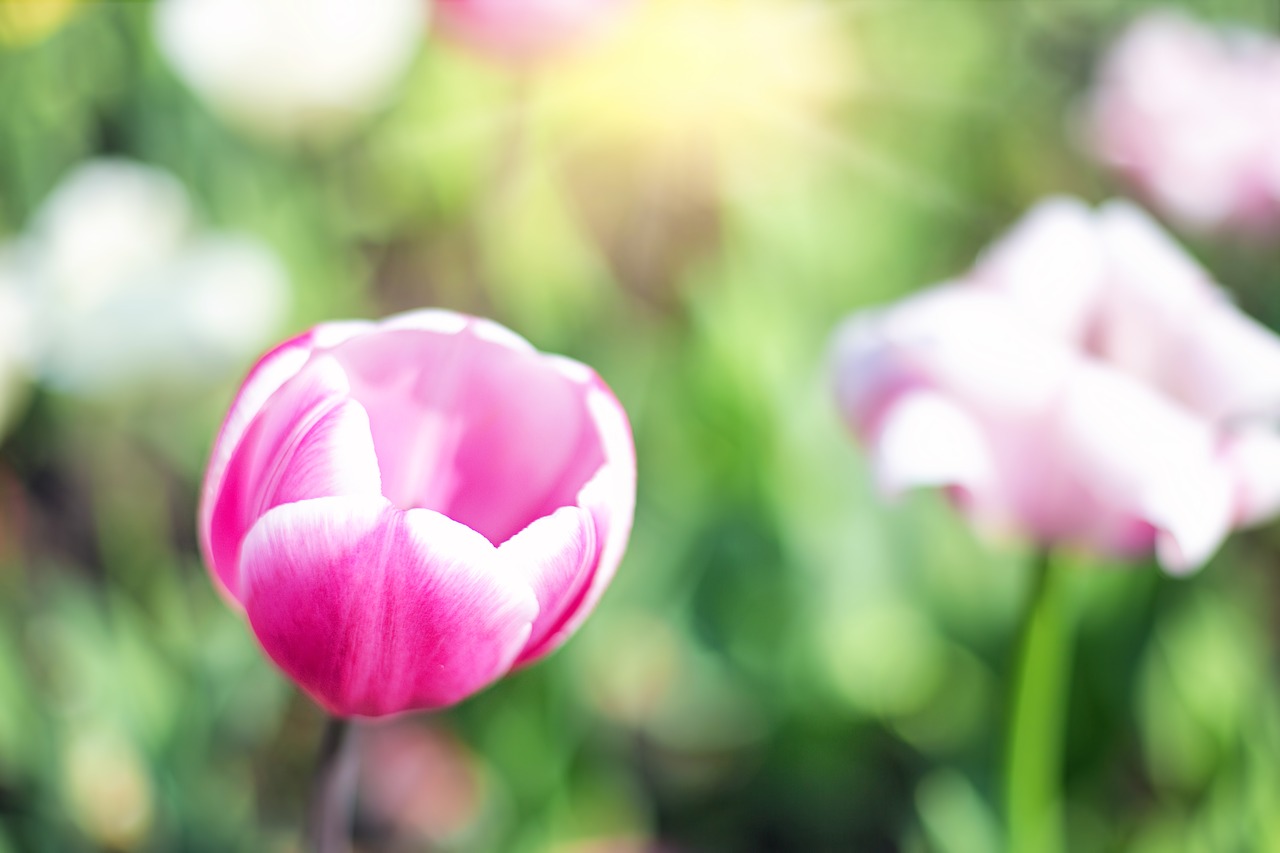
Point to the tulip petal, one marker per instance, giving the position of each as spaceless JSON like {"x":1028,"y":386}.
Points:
{"x":1156,"y":294}
{"x":1253,"y":454}
{"x":971,"y":343}
{"x":437,"y":320}
{"x":610,"y":498}
{"x":541,"y":449}
{"x":487,"y":419}
{"x":272,"y":371}
{"x":927,"y":440}
{"x":1228,"y":366}
{"x":334,"y":457}
{"x":1143,"y":457}
{"x":1192,"y":515}
{"x":375,"y":610}
{"x":1052,"y":265}
{"x":308,"y":441}
{"x":1168,"y":323}
{"x":1145,"y":257}
{"x":558,"y":554}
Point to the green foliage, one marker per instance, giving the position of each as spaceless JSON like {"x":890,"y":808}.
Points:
{"x":784,"y":662}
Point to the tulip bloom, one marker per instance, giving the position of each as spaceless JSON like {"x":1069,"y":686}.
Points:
{"x":1191,"y":116}
{"x":1085,"y":384}
{"x":406,"y":510}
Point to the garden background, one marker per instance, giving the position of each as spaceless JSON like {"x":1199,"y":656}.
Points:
{"x":785,"y":661}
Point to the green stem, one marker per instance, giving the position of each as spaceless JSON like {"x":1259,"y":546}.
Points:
{"x":333,"y":789}
{"x":1033,"y":774}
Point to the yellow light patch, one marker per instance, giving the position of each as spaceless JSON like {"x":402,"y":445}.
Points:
{"x":707,"y":80}
{"x":25,"y":22}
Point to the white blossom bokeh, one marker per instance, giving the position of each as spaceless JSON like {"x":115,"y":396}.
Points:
{"x":116,"y":287}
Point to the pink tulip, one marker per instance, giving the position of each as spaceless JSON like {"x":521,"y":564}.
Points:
{"x":1085,"y":384}
{"x":405,"y":510}
{"x":524,"y":29}
{"x":1191,"y":116}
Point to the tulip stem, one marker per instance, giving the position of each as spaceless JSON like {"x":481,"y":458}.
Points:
{"x":333,"y":788}
{"x":1040,"y":690}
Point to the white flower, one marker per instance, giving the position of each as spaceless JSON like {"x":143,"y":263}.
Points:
{"x":288,"y":68}
{"x":115,"y":286}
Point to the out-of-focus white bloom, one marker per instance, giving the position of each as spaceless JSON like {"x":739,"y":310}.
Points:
{"x":291,"y":68}
{"x":113,"y":286}
{"x":1191,"y":115}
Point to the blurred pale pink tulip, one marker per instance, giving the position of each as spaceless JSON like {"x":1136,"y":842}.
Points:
{"x":408,"y":509}
{"x":521,"y":30}
{"x":1085,"y":384}
{"x":1191,"y":116}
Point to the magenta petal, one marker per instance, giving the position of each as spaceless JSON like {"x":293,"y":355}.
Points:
{"x":469,"y":420}
{"x":375,"y":611}
{"x":275,"y":368}
{"x":334,"y":457}
{"x":610,"y":498}
{"x":308,"y":441}
{"x":272,"y":370}
{"x":558,"y":554}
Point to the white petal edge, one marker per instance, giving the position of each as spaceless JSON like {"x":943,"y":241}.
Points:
{"x":926,"y":439}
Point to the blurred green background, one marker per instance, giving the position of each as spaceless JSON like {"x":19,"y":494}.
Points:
{"x":783,"y":662}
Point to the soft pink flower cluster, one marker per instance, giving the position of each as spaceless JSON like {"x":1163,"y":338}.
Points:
{"x":1191,"y":116}
{"x":408,"y":509}
{"x":1084,"y":384}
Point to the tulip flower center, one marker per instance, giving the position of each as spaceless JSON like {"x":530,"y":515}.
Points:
{"x":492,"y":436}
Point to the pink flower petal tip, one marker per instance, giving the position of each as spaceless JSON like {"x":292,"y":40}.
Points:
{"x":407,"y":510}
{"x":521,"y":31}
